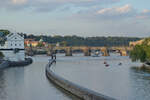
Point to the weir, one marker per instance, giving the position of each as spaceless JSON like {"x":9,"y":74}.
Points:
{"x":74,"y":89}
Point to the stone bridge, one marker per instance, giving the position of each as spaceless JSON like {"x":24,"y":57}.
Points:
{"x":87,"y":50}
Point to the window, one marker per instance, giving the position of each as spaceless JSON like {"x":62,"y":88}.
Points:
{"x":15,"y":44}
{"x":19,"y":44}
{"x":11,"y":44}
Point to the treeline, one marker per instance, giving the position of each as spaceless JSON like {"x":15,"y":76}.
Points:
{"x":3,"y":33}
{"x":79,"y":41}
{"x":85,"y":41}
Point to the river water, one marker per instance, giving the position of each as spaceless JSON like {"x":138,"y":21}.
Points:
{"x":29,"y":83}
{"x":123,"y":82}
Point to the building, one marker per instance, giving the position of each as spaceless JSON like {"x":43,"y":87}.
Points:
{"x":33,"y":43}
{"x":136,"y":42}
{"x":13,"y":48}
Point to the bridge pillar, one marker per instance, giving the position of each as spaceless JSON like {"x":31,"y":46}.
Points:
{"x":49,"y":53}
{"x":69,"y":51}
{"x":105,"y":52}
{"x":87,"y":52}
{"x":123,"y":53}
{"x":50,"y":50}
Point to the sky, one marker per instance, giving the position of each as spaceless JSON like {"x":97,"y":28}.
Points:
{"x":77,"y":17}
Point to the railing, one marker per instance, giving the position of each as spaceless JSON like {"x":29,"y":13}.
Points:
{"x":74,"y":89}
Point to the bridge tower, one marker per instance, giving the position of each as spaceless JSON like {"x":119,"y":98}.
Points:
{"x":87,"y":51}
{"x":69,"y":51}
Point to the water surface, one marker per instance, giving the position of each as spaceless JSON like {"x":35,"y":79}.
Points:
{"x":118,"y":81}
{"x":29,"y":83}
{"x":123,"y":82}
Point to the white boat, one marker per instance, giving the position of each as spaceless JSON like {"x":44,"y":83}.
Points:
{"x":96,"y":54}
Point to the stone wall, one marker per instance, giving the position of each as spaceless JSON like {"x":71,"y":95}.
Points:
{"x":6,"y":64}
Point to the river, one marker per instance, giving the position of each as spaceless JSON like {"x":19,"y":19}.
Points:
{"x":122,"y":82}
{"x":29,"y":83}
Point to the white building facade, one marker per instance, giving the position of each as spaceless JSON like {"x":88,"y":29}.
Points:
{"x":13,"y":48}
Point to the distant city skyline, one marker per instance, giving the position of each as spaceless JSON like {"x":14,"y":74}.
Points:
{"x":77,"y":17}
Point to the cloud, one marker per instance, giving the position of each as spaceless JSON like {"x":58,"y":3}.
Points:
{"x":117,"y":12}
{"x":120,"y":10}
{"x":48,"y":5}
{"x":144,"y":14}
{"x":13,"y":4}
{"x":113,"y":13}
{"x":19,"y":1}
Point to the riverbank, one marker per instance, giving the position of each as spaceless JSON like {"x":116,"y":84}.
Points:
{"x":74,"y":89}
{"x":6,"y":63}
{"x":145,"y":66}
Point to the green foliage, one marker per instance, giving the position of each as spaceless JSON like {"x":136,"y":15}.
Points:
{"x":6,"y":32}
{"x":40,"y":44}
{"x":141,"y":52}
{"x":138,"y":53}
{"x":63,"y":43}
{"x":2,"y":36}
{"x":85,"y":41}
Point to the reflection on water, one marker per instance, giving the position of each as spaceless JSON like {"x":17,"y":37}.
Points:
{"x":117,"y":81}
{"x":2,"y":86}
{"x":141,"y":69}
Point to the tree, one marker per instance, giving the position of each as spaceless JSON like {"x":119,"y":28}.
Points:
{"x":84,"y":41}
{"x":63,"y":43}
{"x":138,"y":53}
{"x":6,"y":32}
{"x":141,"y":52}
{"x":40,"y":44}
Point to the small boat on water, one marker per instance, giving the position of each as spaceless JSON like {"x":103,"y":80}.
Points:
{"x":120,"y":64}
{"x":107,"y":65}
{"x":96,"y":54}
